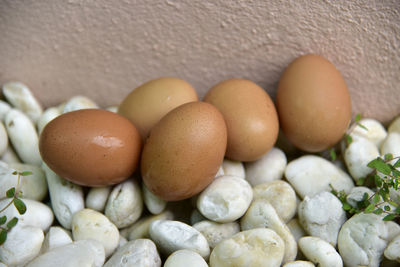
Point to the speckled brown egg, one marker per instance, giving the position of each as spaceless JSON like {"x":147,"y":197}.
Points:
{"x":148,"y":103}
{"x":91,"y":147}
{"x":184,"y":151}
{"x":250,"y":116}
{"x":313,"y":103}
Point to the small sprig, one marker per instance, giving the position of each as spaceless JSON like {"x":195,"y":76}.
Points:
{"x":385,"y":176}
{"x":14,"y":194}
{"x":347,"y":136}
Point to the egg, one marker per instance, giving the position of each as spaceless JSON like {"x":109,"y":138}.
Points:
{"x":250,"y":117}
{"x":148,"y":103}
{"x":313,"y":103}
{"x":184,"y":151}
{"x":91,"y":147}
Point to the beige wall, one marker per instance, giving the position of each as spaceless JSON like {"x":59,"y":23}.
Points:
{"x":104,"y":49}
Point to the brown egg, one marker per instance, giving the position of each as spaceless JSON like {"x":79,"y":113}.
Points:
{"x":91,"y":147}
{"x":148,"y":103}
{"x":184,"y":151}
{"x":250,"y":117}
{"x":313,"y":103}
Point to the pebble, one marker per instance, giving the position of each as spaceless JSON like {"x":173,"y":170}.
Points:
{"x":21,"y":97}
{"x":78,"y":102}
{"x":124,"y":205}
{"x":171,"y":236}
{"x":47,"y":116}
{"x":392,"y":251}
{"x":262,"y":214}
{"x":394,"y":125}
{"x":374,"y":132}
{"x":3,"y":139}
{"x":23,"y":136}
{"x":10,"y":156}
{"x":322,"y":216}
{"x":299,"y":264}
{"x":260,"y":247}
{"x":391,"y":145}
{"x":140,"y":229}
{"x":4,"y":109}
{"x":216,"y":232}
{"x":233,"y":168}
{"x":313,"y":170}
{"x":320,"y":252}
{"x":55,"y":237}
{"x":269,"y":167}
{"x":37,"y":214}
{"x":296,"y":229}
{"x":96,"y":198}
{"x":226,"y":199}
{"x":83,"y":253}
{"x":66,"y":197}
{"x":356,"y":195}
{"x":22,"y":245}
{"x":153,"y":203}
{"x":280,"y":195}
{"x":185,"y":258}
{"x":91,"y":224}
{"x":139,"y":252}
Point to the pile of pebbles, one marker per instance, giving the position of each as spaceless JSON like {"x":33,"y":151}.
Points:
{"x":276,"y":211}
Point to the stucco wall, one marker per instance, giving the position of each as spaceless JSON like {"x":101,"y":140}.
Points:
{"x":104,"y":49}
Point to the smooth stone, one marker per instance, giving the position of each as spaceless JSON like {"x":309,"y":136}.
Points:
{"x":185,"y":258}
{"x":3,"y":139}
{"x":320,"y":252}
{"x":47,"y":116}
{"x":78,"y":102}
{"x":374,"y":132}
{"x":140,"y":229}
{"x":96,"y":199}
{"x":153,"y":203}
{"x":216,"y":232}
{"x":55,"y":237}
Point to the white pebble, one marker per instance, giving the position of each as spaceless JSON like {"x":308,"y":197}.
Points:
{"x":226,"y":199}
{"x":394,"y":125}
{"x":4,"y":109}
{"x":152,"y":202}
{"x":23,"y":136}
{"x":21,"y":97}
{"x":91,"y":224}
{"x":220,"y":172}
{"x":10,"y":156}
{"x":124,"y":205}
{"x":122,"y":241}
{"x":281,"y":195}
{"x":320,"y":252}
{"x":392,"y":251}
{"x":356,"y":195}
{"x":171,"y":236}
{"x":37,"y":214}
{"x":393,"y":229}
{"x":3,"y":139}
{"x":322,"y":216}
{"x":47,"y":116}
{"x":79,"y":253}
{"x":140,"y":229}
{"x":296,"y":229}
{"x":299,"y":264}
{"x":311,"y":174}
{"x":139,"y":252}
{"x":357,"y":156}
{"x":362,"y":240}
{"x":112,"y":109}
{"x":233,"y":168}
{"x":262,"y":214}
{"x":22,"y":245}
{"x":78,"y":102}
{"x":268,"y":168}
{"x":216,"y":232}
{"x":66,"y":197}
{"x":55,"y":237}
{"x":374,"y":132}
{"x":256,"y":247}
{"x":391,"y":145}
{"x":185,"y":258}
{"x":96,"y":198}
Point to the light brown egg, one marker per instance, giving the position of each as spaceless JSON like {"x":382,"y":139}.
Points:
{"x":91,"y":147}
{"x":148,"y":103}
{"x":184,"y":151}
{"x":313,"y":103}
{"x":250,"y":117}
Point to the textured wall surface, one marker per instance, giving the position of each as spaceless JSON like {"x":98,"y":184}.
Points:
{"x":103,"y":49}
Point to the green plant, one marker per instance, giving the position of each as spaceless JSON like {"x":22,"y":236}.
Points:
{"x":14,"y":194}
{"x":384,"y":177}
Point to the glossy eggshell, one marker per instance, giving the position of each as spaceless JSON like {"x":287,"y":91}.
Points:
{"x":184,"y":151}
{"x":148,"y":103}
{"x":250,"y":116}
{"x":313,"y":103}
{"x":91,"y":147}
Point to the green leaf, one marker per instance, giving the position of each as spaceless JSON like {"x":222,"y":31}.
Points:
{"x":389,"y":217}
{"x":358,"y":117}
{"x":394,"y":204}
{"x":20,"y":205}
{"x":3,"y":236}
{"x":387,"y":208}
{"x":332,"y":153}
{"x":3,"y":220}
{"x":396,"y":173}
{"x":378,"y":211}
{"x":376,"y":199}
{"x":348,"y":139}
{"x":365,"y":196}
{"x":370,"y":208}
{"x":380,"y":166}
{"x":346,"y":206}
{"x":397,"y":164}
{"x":360,"y":181}
{"x":377,"y":180}
{"x":362,"y":126}
{"x":388,"y":156}
{"x":10,"y":192}
{"x":25,"y":173}
{"x":13,"y":222}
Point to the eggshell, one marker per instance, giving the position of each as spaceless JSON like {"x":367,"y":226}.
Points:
{"x":148,"y":103}
{"x":250,"y":117}
{"x":184,"y":151}
{"x":313,"y":103}
{"x":91,"y":147}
